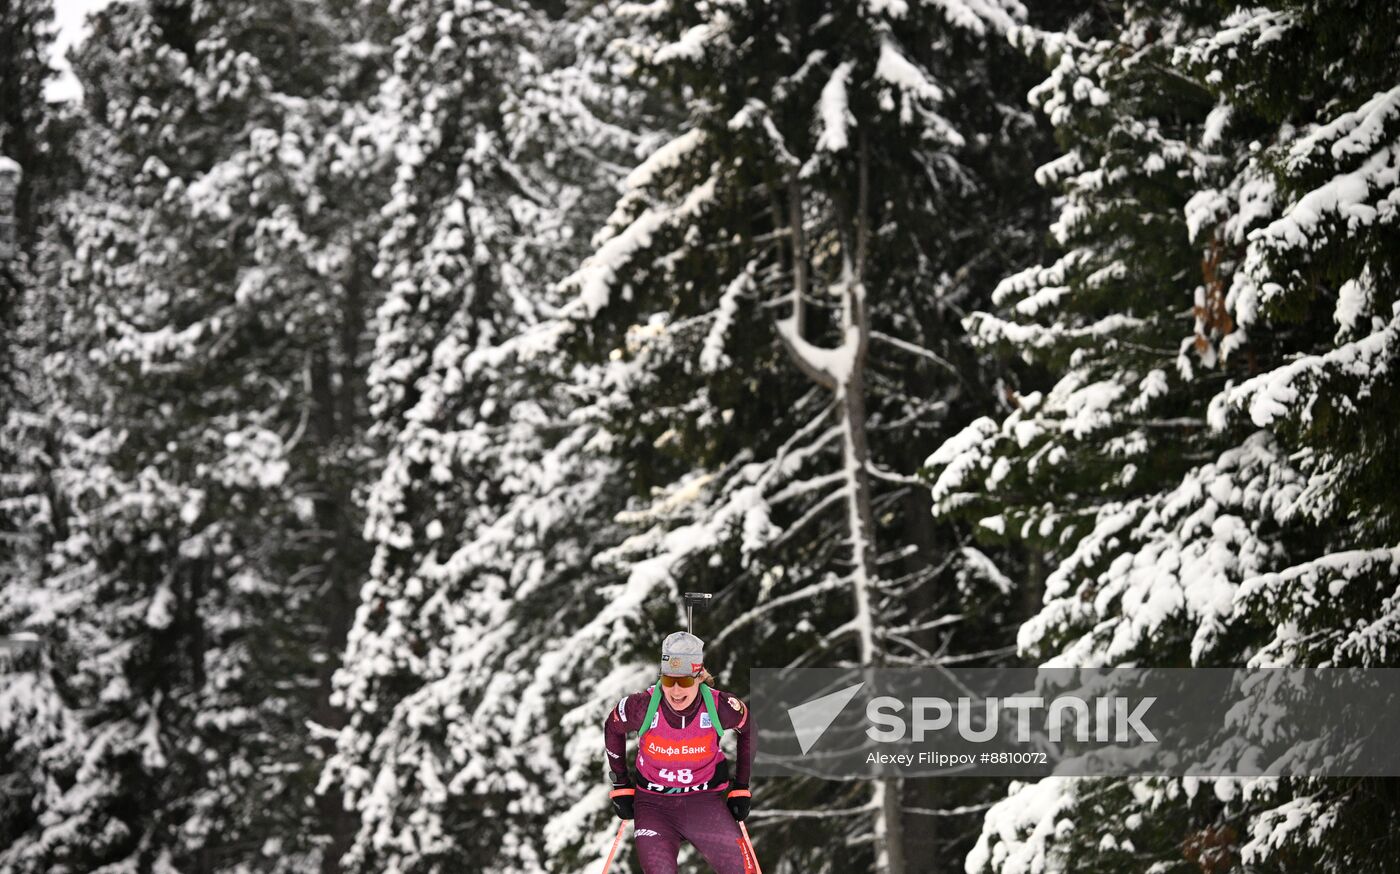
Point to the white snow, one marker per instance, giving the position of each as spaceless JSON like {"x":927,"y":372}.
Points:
{"x":595,"y":278}
{"x":1293,"y":389}
{"x":1359,"y":132}
{"x":1019,"y":831}
{"x":1354,"y":303}
{"x":977,"y":16}
{"x":835,"y":362}
{"x":918,"y":93}
{"x":834,"y":111}
{"x":1179,"y":554}
{"x":1087,"y":408}
{"x":665,"y":159}
{"x":71,"y":28}
{"x":959,"y":457}
{"x":890,"y":8}
{"x":690,"y":47}
{"x":712,"y":355}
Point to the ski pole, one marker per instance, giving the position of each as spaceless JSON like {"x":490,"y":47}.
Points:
{"x":617,"y":840}
{"x":752,"y":855}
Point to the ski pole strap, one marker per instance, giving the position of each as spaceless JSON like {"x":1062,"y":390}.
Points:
{"x":740,"y":793}
{"x":616,"y":792}
{"x":709,"y":700}
{"x":652,"y":707}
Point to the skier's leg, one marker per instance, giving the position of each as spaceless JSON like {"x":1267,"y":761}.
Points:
{"x":656,"y":833}
{"x":707,"y":823}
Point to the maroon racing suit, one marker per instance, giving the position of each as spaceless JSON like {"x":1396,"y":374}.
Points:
{"x":667,"y":815}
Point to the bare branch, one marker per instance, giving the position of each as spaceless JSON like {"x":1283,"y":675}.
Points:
{"x":941,"y":621}
{"x":889,"y":476}
{"x":811,"y":514}
{"x":811,"y":814}
{"x":909,"y":644}
{"x":918,"y":350}
{"x":951,"y":811}
{"x":757,"y":612}
{"x":973,"y":656}
{"x":802,"y":487}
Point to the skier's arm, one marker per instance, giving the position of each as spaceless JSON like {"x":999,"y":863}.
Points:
{"x":745,"y":748}
{"x":735,"y":716}
{"x":615,"y":743}
{"x":615,"y":729}
{"x":625,"y":717}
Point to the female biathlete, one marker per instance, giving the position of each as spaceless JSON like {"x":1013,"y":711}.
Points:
{"x":684,"y":791}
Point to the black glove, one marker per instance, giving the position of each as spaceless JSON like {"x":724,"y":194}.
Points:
{"x":738,"y":800}
{"x":622,"y":802}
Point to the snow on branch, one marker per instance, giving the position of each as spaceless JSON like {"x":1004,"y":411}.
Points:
{"x":977,"y":16}
{"x":719,"y":503}
{"x":834,"y":111}
{"x":691,"y":45}
{"x":802,"y":487}
{"x":985,"y":330}
{"x":756,"y":113}
{"x":1358,"y":199}
{"x":753,"y":614}
{"x":664,"y":160}
{"x":593,"y":281}
{"x":1292,"y":391}
{"x":1352,"y":133}
{"x":828,"y":367}
{"x":1156,"y":560}
{"x":1252,"y":27}
{"x":1019,"y":832}
{"x":1305,"y":819}
{"x":814,"y":814}
{"x":1347,"y":197}
{"x":917,"y":92}
{"x":1306,"y":595}
{"x":712,"y":356}
{"x":960,"y":456}
{"x":917,"y":350}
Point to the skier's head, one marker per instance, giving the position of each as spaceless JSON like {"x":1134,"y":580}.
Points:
{"x":682,"y":663}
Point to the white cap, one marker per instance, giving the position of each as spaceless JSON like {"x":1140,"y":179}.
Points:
{"x":682,"y":655}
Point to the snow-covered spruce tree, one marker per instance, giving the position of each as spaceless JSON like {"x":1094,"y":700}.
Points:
{"x":30,"y":710}
{"x":27,"y":162}
{"x":498,"y":114}
{"x":1259,"y":534}
{"x":1311,"y":223}
{"x":33,"y":148}
{"x":1120,"y":418}
{"x":202,"y":364}
{"x":26,"y":121}
{"x":1313,"y":291}
{"x":776,"y":299}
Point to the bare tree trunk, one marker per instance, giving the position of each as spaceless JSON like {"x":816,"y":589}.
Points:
{"x":856,"y":452}
{"x":338,"y":420}
{"x":848,"y":385}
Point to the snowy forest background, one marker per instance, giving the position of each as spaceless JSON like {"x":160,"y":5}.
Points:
{"x":377,"y":373}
